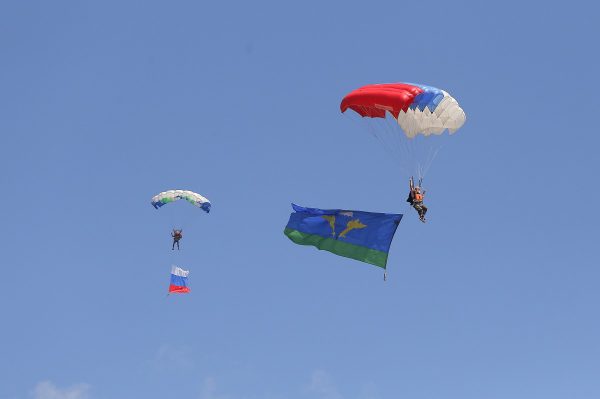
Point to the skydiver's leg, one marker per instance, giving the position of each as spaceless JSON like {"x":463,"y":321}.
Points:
{"x":173,"y":247}
{"x":177,"y":245}
{"x":419,"y":207}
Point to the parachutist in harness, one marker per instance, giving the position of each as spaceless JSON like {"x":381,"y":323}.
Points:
{"x":415,"y":199}
{"x":177,"y":235}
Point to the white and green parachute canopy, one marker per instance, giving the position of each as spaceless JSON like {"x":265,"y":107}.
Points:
{"x":174,"y":195}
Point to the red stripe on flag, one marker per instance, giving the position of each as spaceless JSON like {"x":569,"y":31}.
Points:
{"x":178,"y":290}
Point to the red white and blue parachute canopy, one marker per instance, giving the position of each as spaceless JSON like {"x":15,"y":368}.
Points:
{"x":418,"y":109}
{"x":174,"y":195}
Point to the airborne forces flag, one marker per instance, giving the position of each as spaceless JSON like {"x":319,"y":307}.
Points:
{"x":364,"y":236}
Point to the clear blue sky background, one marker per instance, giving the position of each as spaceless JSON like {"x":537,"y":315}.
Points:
{"x":104,"y":104}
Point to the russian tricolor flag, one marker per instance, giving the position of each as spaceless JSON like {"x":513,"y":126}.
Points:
{"x":179,"y":281}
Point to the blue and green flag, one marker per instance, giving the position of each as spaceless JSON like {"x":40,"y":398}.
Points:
{"x":364,"y":236}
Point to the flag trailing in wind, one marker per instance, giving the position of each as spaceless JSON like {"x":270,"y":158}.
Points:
{"x":179,"y":281}
{"x":364,"y":236}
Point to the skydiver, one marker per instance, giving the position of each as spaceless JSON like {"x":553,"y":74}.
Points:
{"x":177,"y":235}
{"x":415,"y":199}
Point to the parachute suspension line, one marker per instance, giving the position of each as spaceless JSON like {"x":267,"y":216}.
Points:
{"x":400,"y":143}
{"x":425,"y":151}
{"x":389,"y":134}
{"x":424,"y":166}
{"x":408,"y":149}
{"x":382,"y":135}
{"x":413,"y":155}
{"x":384,"y":132}
{"x":175,"y":218}
{"x":430,"y":158}
{"x":396,"y":143}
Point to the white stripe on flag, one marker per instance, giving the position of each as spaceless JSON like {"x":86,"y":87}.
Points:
{"x":179,"y":271}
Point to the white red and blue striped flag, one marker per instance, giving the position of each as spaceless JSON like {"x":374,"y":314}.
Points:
{"x":179,"y":281}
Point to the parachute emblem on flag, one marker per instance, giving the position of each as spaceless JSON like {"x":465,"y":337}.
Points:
{"x":351,"y":225}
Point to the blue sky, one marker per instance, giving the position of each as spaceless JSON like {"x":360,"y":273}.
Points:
{"x":105,"y":104}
